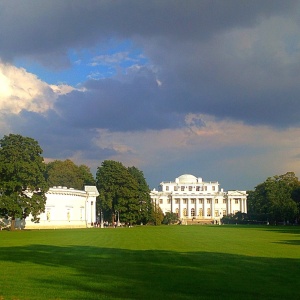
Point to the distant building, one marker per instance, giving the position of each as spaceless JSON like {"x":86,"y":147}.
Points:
{"x":66,"y":208}
{"x":193,"y":199}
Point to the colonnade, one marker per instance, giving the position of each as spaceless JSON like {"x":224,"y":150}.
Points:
{"x":210,"y":206}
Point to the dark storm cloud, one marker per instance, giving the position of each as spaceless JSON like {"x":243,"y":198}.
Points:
{"x":39,"y":27}
{"x":55,"y":136}
{"x":199,"y":65}
{"x":119,"y":105}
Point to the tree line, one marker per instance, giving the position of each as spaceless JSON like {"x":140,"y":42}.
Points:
{"x":25,"y":179}
{"x":274,"y":201}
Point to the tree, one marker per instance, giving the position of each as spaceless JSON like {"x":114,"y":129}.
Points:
{"x":272,"y":200}
{"x":86,"y":175}
{"x":22,"y":182}
{"x":118,"y":192}
{"x":144,"y":195}
{"x":66,"y":173}
{"x":170,"y":218}
{"x":157,"y":215}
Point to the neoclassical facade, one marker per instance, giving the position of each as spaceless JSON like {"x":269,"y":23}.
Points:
{"x":191,"y":198}
{"x":66,"y":208}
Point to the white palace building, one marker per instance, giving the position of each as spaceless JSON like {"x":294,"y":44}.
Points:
{"x":193,"y":199}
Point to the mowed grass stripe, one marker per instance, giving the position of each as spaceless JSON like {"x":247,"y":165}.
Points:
{"x":166,"y":262}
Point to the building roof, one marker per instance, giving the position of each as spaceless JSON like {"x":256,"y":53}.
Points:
{"x":91,"y":189}
{"x":187,"y":178}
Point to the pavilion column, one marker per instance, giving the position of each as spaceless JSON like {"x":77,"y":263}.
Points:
{"x":228,"y":205}
{"x":180,"y":208}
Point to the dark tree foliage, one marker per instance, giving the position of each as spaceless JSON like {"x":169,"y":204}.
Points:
{"x":119,"y":192}
{"x":170,"y":218}
{"x":22,"y":182}
{"x":237,"y":218}
{"x":144,"y":195}
{"x":66,"y":173}
{"x":274,"y":200}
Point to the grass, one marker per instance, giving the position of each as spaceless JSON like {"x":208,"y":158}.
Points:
{"x":165,"y":262}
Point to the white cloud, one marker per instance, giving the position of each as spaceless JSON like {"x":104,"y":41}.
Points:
{"x":20,"y":90}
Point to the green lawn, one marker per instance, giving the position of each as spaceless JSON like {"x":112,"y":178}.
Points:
{"x":165,"y":262}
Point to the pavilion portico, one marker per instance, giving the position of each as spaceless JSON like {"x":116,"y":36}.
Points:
{"x":191,"y":198}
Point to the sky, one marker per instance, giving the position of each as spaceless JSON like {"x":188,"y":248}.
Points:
{"x":205,"y":87}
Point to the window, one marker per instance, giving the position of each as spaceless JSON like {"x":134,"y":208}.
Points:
{"x":213,"y":188}
{"x":216,"y":213}
{"x":175,"y":188}
{"x":224,"y":212}
{"x":200,"y":212}
{"x":208,"y":201}
{"x":205,"y":188}
{"x":197,"y":188}
{"x":177,"y":212}
{"x":193,"y":201}
{"x":160,"y":201}
{"x":184,"y":201}
{"x":208,"y":212}
{"x":193,"y":212}
{"x":236,"y":201}
{"x":176,"y":201}
{"x":190,"y":188}
{"x":182,"y":188}
{"x":200,"y":201}
{"x":216,"y":201}
{"x":167,"y":188}
{"x":224,"y":201}
{"x":169,"y":201}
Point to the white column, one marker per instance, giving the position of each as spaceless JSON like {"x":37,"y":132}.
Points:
{"x":228,"y":205}
{"x":180,"y":208}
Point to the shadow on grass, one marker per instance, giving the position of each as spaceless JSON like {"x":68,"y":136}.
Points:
{"x":79,"y":272}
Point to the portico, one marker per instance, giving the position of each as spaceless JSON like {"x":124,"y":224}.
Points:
{"x":192,"y":198}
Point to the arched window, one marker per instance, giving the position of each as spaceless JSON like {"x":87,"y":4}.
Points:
{"x":193,"y":212}
{"x":177,"y":212}
{"x":184,"y":212}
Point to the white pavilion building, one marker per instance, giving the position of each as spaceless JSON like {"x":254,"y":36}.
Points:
{"x":193,"y":199}
{"x":66,"y":208}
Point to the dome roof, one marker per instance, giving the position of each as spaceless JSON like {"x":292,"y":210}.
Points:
{"x":187,"y":178}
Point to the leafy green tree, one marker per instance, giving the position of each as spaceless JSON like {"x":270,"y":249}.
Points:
{"x":118,"y":192}
{"x":144,"y":195}
{"x":157,"y":215}
{"x":22,"y":182}
{"x":272,"y":200}
{"x":86,"y":175}
{"x":66,"y":173}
